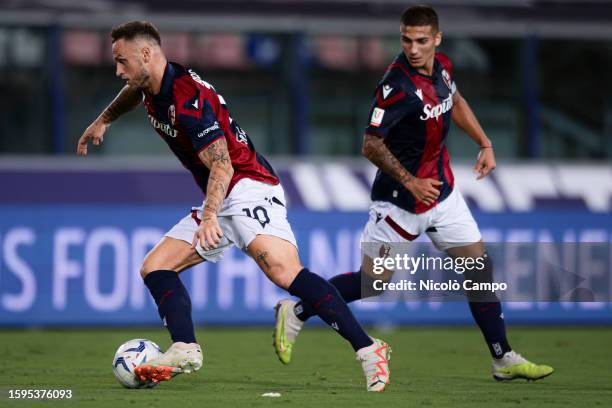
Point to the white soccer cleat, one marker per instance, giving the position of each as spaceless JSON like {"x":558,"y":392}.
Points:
{"x":178,"y":359}
{"x":512,"y":365}
{"x":375,"y":363}
{"x":286,"y":329}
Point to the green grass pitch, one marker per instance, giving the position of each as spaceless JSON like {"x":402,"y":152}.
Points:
{"x":431,"y":367}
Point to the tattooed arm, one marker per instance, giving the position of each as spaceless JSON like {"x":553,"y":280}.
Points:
{"x":424,"y":190}
{"x":127,"y":99}
{"x":216,"y":157}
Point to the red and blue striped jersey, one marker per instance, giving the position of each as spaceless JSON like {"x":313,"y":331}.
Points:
{"x":189,"y":115}
{"x":412,"y":112}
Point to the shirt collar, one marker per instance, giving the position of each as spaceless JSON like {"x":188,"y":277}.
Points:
{"x":167,"y":80}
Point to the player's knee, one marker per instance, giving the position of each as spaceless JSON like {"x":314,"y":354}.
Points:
{"x":145,"y":269}
{"x":149,"y":265}
{"x":158,"y":260}
{"x":282,"y":276}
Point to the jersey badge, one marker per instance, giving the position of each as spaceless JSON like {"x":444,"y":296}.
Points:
{"x":447,"y":79}
{"x":172,"y":114}
{"x":377,"y":117}
{"x":384,"y":251}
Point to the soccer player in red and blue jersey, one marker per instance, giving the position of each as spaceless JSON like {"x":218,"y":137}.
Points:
{"x":414,"y":191}
{"x":244,"y":204}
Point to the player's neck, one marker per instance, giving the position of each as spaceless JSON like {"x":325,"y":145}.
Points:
{"x":157,"y":76}
{"x":427,"y":69}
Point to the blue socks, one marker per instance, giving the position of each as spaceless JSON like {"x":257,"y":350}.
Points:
{"x":487,"y":311}
{"x":325,"y":300}
{"x":319,"y":297}
{"x":173,"y":304}
{"x":488,"y":316}
{"x":347,"y":284}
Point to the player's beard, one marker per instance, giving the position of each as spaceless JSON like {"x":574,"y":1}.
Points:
{"x":142,"y":81}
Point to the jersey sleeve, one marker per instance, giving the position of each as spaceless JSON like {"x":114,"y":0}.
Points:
{"x":199,"y":121}
{"x":391,"y":103}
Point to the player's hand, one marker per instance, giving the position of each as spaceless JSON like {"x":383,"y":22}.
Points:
{"x":95,"y":132}
{"x":425,"y":189}
{"x":485,"y":163}
{"x":208,"y":233}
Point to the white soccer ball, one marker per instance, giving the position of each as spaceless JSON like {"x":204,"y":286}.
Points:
{"x":130,"y":355}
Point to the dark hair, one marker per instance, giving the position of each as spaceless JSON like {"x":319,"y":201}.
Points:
{"x":136,"y":29}
{"x":420,"y":15}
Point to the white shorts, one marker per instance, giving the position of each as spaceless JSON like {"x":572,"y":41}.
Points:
{"x":449,"y":224}
{"x":252,"y":208}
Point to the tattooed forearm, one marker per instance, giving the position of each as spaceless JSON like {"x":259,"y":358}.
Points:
{"x":216,"y":158}
{"x":127,"y":99}
{"x":262,"y":260}
{"x":216,"y":190}
{"x":374,"y":149}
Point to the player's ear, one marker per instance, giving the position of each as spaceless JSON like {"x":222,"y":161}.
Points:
{"x":438,"y":38}
{"x":146,"y":54}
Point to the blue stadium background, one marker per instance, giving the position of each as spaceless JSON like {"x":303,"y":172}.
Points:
{"x":72,"y":256}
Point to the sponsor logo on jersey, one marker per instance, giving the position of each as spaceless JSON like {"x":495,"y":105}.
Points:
{"x":430,"y":112}
{"x":163,"y":127}
{"x":377,"y":117}
{"x":172,"y":114}
{"x":386,"y":90}
{"x":209,"y":129}
{"x":241,"y":135}
{"x":193,"y":103}
{"x":199,"y":80}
